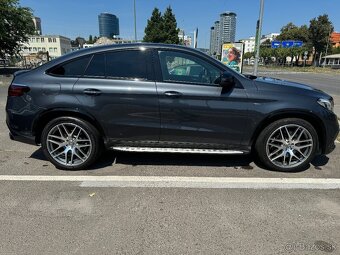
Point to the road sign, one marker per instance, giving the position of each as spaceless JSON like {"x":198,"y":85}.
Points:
{"x":276,"y":44}
{"x":287,"y":44}
{"x":298,"y":44}
{"x":305,"y":53}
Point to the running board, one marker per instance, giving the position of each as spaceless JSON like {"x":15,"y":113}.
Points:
{"x":176,"y":150}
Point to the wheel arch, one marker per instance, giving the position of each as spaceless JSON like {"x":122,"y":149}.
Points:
{"x":48,"y":115}
{"x":315,"y":121}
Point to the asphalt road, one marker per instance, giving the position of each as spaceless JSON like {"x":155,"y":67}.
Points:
{"x":169,"y":204}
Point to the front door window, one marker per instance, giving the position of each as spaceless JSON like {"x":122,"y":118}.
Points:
{"x":182,"y":67}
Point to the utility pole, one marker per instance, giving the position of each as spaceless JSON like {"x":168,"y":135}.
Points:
{"x":258,"y":37}
{"x":134,"y":14}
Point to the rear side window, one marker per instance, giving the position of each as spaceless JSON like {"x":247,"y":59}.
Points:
{"x":126,"y":64}
{"x":74,"y":68}
{"x":96,"y":68}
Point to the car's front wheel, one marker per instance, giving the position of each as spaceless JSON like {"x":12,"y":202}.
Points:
{"x":287,"y":145}
{"x":70,"y":143}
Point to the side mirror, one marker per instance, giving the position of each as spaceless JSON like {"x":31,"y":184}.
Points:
{"x":227,"y":80}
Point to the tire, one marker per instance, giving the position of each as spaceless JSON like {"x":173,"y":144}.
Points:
{"x":70,"y":143}
{"x":287,"y":145}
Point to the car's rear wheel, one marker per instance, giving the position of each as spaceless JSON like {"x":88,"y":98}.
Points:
{"x":287,"y":145}
{"x":71,"y":143}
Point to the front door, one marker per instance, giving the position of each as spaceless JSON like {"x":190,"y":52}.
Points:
{"x":195,"y":111}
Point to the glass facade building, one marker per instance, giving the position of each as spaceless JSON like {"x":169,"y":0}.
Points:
{"x":108,"y":25}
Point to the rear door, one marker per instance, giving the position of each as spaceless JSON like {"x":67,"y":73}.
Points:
{"x":118,"y":89}
{"x":195,"y":111}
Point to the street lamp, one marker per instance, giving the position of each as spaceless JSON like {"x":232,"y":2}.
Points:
{"x":134,"y":14}
{"x":258,"y":37}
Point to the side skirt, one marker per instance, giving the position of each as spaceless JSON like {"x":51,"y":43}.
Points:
{"x":177,"y":150}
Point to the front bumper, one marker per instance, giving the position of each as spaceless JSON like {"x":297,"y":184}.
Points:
{"x":332,"y":132}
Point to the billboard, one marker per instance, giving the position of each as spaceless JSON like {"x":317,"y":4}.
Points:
{"x":232,"y":54}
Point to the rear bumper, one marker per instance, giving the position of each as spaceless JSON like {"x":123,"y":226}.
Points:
{"x":22,"y":138}
{"x":19,"y":129}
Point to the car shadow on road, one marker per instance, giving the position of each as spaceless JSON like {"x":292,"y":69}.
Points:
{"x":174,"y":159}
{"x":110,"y":158}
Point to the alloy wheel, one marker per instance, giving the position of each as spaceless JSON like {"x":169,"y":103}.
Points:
{"x":69,"y":144}
{"x":289,"y":146}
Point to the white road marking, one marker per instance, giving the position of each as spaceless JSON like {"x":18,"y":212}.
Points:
{"x":184,"y":182}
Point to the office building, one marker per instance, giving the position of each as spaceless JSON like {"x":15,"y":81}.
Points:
{"x":37,"y":25}
{"x":227,"y":27}
{"x":212,"y":41}
{"x":223,"y":31}
{"x":271,"y":37}
{"x":186,"y":40}
{"x":56,"y":45}
{"x":249,"y":44}
{"x":215,"y":43}
{"x":108,"y":25}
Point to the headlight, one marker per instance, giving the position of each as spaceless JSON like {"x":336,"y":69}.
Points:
{"x":328,"y":104}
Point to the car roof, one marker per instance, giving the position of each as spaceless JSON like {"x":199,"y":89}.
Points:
{"x":103,"y":48}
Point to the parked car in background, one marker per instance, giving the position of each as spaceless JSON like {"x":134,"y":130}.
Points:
{"x":165,"y":98}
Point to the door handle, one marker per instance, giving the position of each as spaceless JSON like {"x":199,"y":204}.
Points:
{"x":92,"y":92}
{"x":173,"y":94}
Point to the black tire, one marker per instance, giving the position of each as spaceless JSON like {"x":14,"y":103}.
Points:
{"x":93,"y":136}
{"x":261,"y":145}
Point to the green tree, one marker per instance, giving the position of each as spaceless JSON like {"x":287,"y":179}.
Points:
{"x":295,"y":33}
{"x":320,"y":29}
{"x":162,"y":28}
{"x":248,"y":55}
{"x":281,"y":55}
{"x":16,"y":25}
{"x":154,"y":31}
{"x":170,"y":27}
{"x":335,"y":50}
{"x":90,"y":39}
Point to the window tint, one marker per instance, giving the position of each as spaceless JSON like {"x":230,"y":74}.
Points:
{"x":74,"y":68}
{"x":182,"y":67}
{"x":97,"y":66}
{"x":126,"y":64}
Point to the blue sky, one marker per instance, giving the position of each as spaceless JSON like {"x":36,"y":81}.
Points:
{"x":74,"y":18}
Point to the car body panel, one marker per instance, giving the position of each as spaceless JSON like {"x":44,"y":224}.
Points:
{"x":202,"y":116}
{"x":127,"y":110}
{"x":138,"y":111}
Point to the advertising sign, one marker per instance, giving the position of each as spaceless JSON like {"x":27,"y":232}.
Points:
{"x":232,"y":54}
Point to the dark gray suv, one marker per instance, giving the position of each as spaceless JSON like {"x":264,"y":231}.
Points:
{"x":165,"y":98}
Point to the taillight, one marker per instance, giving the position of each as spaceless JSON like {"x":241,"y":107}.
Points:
{"x":17,"y":90}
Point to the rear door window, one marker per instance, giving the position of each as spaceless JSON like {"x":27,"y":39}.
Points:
{"x":73,"y":68}
{"x":131,"y":64}
{"x":96,"y":68}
